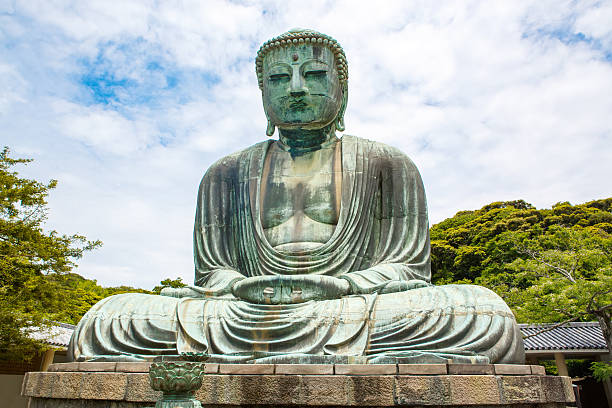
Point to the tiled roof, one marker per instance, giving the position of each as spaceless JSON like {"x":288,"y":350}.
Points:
{"x":570,"y":336}
{"x":56,"y":335}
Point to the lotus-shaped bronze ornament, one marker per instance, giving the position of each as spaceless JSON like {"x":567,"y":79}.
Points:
{"x":178,"y":380}
{"x":176,"y":377}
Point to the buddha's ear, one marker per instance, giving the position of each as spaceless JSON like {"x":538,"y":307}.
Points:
{"x":340,"y":118}
{"x":271,"y":128}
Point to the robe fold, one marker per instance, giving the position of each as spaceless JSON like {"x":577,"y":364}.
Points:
{"x":382,"y":226}
{"x":382,"y":236}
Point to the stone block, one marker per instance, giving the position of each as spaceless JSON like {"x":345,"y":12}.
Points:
{"x":421,"y":390}
{"x":538,"y":370}
{"x":24,"y":383}
{"x":471,"y":369}
{"x":304,"y":369}
{"x":568,"y":388}
{"x":27,"y":387}
{"x":217,"y":390}
{"x":249,"y":390}
{"x":246,"y":369}
{"x":74,"y":366}
{"x":520,"y":389}
{"x":422,"y":369}
{"x":108,"y":386}
{"x":365,"y":369}
{"x":474,"y":390}
{"x":132,"y":367}
{"x":324,"y":390}
{"x":374,"y":391}
{"x":553,"y":388}
{"x":138,"y":388}
{"x":97,"y":367}
{"x":39,"y":384}
{"x":512,"y":369}
{"x":268,"y":389}
{"x":67,"y":385}
{"x":211,"y":368}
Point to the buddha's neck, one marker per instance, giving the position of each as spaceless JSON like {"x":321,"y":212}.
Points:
{"x":302,"y":141}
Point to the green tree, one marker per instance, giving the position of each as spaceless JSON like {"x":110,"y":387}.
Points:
{"x":549,"y":265}
{"x":28,"y":255}
{"x":568,"y":274}
{"x":602,"y":370}
{"x":169,"y":283}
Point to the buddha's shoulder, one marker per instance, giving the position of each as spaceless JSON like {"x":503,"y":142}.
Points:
{"x":229,"y":164}
{"x":378,"y":151}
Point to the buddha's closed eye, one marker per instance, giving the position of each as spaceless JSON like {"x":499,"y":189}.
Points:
{"x":315,"y":74}
{"x":278,"y":77}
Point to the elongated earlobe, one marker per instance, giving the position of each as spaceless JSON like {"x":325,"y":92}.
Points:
{"x":270,"y":129}
{"x":340,"y":123}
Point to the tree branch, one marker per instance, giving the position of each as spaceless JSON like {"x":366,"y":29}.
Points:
{"x":590,"y":304}
{"x":573,"y":319}
{"x":558,"y":269}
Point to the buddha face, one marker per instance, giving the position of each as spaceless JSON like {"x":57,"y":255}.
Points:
{"x":301,"y":89}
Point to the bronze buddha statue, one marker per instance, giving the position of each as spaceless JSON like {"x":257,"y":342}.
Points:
{"x":310,"y":248}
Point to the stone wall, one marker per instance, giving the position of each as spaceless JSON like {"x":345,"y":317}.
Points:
{"x":123,"y":385}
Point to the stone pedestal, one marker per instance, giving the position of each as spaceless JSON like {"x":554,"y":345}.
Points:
{"x":119,"y":385}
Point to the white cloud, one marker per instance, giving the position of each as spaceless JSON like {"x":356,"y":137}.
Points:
{"x":127,"y":104}
{"x":12,"y":85}
{"x":102,"y":129}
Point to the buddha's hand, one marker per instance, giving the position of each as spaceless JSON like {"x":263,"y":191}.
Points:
{"x":395,"y":286}
{"x":283,"y":289}
{"x":195,"y":292}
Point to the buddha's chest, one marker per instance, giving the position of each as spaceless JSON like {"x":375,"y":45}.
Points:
{"x":285,"y":197}
{"x":300,"y":199}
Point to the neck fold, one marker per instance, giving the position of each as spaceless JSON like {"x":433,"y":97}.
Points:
{"x":301,"y":141}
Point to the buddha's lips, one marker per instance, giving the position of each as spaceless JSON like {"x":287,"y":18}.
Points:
{"x":297,"y":105}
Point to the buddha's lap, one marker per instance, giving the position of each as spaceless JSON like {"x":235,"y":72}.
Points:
{"x":453,"y":320}
{"x":435,"y":300}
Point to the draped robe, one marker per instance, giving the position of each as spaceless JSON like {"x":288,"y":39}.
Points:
{"x":381,"y":237}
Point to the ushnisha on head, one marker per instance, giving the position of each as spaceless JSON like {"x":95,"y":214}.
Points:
{"x":303,"y":76}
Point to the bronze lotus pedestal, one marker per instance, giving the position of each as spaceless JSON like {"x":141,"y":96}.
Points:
{"x":178,"y":381}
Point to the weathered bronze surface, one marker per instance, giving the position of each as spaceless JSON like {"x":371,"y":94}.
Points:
{"x":178,"y":381}
{"x":309,"y":249}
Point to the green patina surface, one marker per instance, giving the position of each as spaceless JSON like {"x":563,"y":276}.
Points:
{"x":309,"y":248}
{"x":178,"y":381}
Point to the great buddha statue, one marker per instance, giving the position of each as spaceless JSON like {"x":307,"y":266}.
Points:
{"x":310,"y":248}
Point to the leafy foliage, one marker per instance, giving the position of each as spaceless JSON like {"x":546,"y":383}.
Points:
{"x":169,"y":283}
{"x":601,"y":370}
{"x":550,"y":265}
{"x":519,"y":252}
{"x":36,"y":285}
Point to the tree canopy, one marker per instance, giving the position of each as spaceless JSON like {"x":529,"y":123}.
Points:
{"x":36,"y":286}
{"x":549,"y":265}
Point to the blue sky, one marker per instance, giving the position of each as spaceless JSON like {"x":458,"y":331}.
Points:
{"x":127,"y":103}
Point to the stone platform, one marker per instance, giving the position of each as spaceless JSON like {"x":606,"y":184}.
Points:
{"x":126,"y":385}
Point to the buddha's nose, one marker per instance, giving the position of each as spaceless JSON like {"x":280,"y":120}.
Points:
{"x":297,"y":86}
{"x":298,"y":92}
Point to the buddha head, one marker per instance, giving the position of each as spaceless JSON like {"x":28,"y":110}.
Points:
{"x":303,"y":76}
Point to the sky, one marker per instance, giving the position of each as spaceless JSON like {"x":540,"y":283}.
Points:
{"x":127,"y":103}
